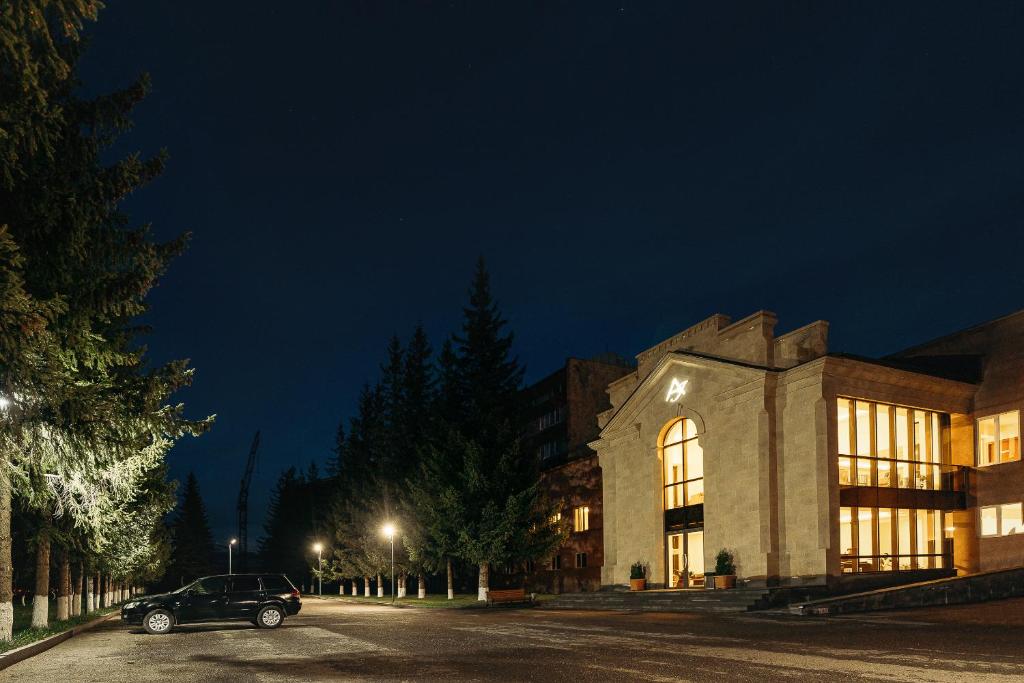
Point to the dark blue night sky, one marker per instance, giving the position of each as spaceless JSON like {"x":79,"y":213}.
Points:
{"x":626,"y":169}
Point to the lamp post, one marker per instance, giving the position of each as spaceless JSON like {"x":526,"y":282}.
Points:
{"x":389,"y":531}
{"x":231,"y":544}
{"x":319,"y":548}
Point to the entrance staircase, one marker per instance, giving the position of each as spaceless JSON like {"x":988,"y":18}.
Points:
{"x":696,"y":600}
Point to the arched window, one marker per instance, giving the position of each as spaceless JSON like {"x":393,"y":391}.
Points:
{"x":684,"y":465}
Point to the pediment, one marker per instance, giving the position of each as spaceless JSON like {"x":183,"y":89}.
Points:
{"x":672,"y":380}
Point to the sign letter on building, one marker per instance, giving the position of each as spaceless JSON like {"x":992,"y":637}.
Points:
{"x":676,"y":390}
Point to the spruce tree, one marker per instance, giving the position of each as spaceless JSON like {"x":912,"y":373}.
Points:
{"x":86,"y":415}
{"x":192,"y":553}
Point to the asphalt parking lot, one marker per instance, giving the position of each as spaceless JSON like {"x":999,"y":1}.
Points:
{"x":333,"y":640}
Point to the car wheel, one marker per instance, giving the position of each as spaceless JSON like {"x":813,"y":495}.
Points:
{"x":270,"y":616}
{"x":158,"y":622}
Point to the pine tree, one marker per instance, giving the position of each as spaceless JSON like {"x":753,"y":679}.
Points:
{"x":192,"y":541}
{"x":87,"y":416}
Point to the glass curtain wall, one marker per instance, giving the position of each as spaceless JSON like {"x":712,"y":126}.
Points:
{"x":887,"y":539}
{"x":889,"y":446}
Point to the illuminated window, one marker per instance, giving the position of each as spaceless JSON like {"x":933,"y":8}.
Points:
{"x":888,"y":446}
{"x":581,"y":519}
{"x":581,"y":560}
{"x":999,"y":438}
{"x":1002,"y":520}
{"x":684,"y":465}
{"x":884,"y":539}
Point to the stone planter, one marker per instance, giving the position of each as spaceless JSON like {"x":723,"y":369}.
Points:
{"x":725,"y":581}
{"x":637,"y":584}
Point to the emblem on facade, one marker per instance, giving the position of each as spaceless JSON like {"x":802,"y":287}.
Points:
{"x":676,"y":390}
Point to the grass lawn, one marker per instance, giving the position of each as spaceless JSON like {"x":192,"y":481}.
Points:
{"x":460,"y":601}
{"x":23,"y":634}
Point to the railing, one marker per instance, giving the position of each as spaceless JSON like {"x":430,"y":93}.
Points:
{"x":865,"y":470}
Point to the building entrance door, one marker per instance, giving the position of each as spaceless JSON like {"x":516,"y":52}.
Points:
{"x":686,"y":559}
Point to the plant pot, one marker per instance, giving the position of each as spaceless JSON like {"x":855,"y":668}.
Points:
{"x":725,"y":581}
{"x":637,"y":584}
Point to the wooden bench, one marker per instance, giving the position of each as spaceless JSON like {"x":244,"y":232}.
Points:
{"x":509,"y":597}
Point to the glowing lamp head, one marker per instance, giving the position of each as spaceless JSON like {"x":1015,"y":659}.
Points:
{"x":318,"y":547}
{"x":389,"y":530}
{"x":233,"y":541}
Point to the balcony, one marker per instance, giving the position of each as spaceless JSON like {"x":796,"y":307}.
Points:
{"x":890,"y":483}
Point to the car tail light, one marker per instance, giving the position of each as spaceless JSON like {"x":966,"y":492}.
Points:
{"x":295,"y":593}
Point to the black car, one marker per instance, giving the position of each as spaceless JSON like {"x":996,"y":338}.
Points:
{"x":263,"y":599}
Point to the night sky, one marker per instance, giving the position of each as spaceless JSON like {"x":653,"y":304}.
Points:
{"x":626,"y":169}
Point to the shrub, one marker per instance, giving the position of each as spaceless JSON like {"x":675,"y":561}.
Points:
{"x":638,"y":571}
{"x":724,"y":564}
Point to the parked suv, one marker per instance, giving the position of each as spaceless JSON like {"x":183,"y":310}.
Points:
{"x":263,"y":599}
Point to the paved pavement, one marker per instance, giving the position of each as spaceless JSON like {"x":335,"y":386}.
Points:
{"x":331,"y":640}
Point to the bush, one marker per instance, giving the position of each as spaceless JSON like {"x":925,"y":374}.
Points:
{"x":724,"y":564}
{"x":638,"y":571}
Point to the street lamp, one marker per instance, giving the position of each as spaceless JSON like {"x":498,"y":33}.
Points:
{"x":231,"y":545}
{"x":319,"y":548}
{"x":389,"y":531}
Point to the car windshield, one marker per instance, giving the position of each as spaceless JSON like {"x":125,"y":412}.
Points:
{"x":186,"y":587}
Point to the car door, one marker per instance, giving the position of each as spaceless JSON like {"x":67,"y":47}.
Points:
{"x":243,"y":597}
{"x":206,"y":601}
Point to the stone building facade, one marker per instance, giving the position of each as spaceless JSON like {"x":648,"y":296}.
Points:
{"x":813,"y":468}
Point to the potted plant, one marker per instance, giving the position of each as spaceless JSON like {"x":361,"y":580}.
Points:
{"x":638,"y":576}
{"x":725,"y":570}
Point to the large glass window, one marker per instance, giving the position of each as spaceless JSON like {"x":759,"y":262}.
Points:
{"x":889,"y":446}
{"x":999,"y":438}
{"x":684,"y":465}
{"x":886,"y":539}
{"x":1002,"y":520}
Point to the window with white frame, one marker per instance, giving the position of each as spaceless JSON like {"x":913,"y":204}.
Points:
{"x":1002,"y":520}
{"x":999,"y":438}
{"x":581,"y":519}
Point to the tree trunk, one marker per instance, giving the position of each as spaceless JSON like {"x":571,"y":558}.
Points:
{"x":484,"y":585}
{"x":6,"y":564}
{"x":63,"y":587}
{"x":451,"y":581}
{"x":380,"y":587}
{"x":421,"y":586}
{"x":355,"y":587}
{"x":366,"y":586}
{"x":401,"y":584}
{"x":41,"y":599}
{"x":75,"y":594}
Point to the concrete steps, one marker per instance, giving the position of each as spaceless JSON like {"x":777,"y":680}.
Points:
{"x":736,"y":600}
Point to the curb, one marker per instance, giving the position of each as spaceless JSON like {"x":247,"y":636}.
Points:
{"x":24,"y":652}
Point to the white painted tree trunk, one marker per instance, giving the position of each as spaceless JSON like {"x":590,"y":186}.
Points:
{"x":89,"y":605}
{"x":451,"y":580}
{"x":484,"y":584}
{"x":401,"y":585}
{"x":40,"y":610}
{"x":341,"y":588}
{"x":421,"y":586}
{"x":380,"y":587}
{"x":366,"y":586}
{"x":355,"y":588}
{"x":6,"y":621}
{"x":41,"y":598}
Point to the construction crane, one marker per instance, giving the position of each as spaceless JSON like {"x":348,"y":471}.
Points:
{"x":243,"y":505}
